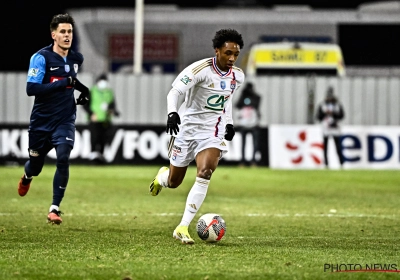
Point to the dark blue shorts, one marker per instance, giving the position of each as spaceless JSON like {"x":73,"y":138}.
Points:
{"x":43,"y":141}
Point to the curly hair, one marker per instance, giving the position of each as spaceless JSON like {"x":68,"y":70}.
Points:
{"x":227,"y":35}
{"x":61,"y":18}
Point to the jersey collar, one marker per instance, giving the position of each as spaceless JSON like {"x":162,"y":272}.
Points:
{"x":219,"y":72}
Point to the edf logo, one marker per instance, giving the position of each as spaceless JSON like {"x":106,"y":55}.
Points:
{"x":379,"y":147}
{"x":362,"y":147}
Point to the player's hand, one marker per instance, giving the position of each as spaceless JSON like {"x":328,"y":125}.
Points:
{"x":172,"y":124}
{"x":84,"y":96}
{"x":229,"y":132}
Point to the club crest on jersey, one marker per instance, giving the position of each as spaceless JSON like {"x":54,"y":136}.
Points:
{"x":223,"y":84}
{"x":186,"y":80}
{"x":233,"y":84}
{"x":76,"y":68}
{"x":66,"y":67}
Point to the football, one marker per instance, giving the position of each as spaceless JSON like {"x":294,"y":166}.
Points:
{"x":211,"y":227}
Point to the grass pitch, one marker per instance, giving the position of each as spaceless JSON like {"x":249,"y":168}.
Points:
{"x":280,"y":225}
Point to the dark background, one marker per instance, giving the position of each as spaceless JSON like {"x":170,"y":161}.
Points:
{"x":26,"y":28}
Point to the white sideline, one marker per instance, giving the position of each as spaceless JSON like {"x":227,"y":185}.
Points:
{"x":297,"y":215}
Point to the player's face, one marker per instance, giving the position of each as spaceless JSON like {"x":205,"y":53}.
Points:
{"x":227,"y":55}
{"x":63,"y":36}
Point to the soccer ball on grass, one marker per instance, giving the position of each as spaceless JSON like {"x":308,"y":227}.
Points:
{"x":211,"y":227}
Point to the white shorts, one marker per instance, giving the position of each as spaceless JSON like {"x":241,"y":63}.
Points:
{"x":182,"y":152}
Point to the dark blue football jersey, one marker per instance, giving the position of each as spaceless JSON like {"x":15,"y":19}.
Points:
{"x":47,"y":81}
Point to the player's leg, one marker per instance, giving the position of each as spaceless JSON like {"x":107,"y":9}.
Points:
{"x":39,"y":146}
{"x":63,"y":140}
{"x":180,"y":156}
{"x":326,"y":138}
{"x":206,"y":161}
{"x":243,"y":151}
{"x":60,"y":182}
{"x":102,"y":140}
{"x":95,"y":138}
{"x":338,"y":149}
{"x":256,"y":134}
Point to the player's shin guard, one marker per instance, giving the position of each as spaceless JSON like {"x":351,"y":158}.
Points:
{"x":194,"y":200}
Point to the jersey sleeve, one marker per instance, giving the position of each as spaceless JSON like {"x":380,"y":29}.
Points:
{"x":240,"y":78}
{"x":37,"y":69}
{"x":184,"y":81}
{"x":228,"y":112}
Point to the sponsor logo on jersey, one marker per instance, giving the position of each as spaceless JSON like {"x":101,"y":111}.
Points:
{"x":223,"y":84}
{"x":33,"y":72}
{"x":76,"y":68}
{"x":53,"y":68}
{"x":33,"y":153}
{"x":56,"y":78}
{"x":222,"y":144}
{"x":186,"y":80}
{"x":211,"y":85}
{"x":66,"y":67}
{"x":216,"y":102}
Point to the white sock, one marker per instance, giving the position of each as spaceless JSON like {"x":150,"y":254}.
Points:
{"x":53,"y":207}
{"x":194,"y":200}
{"x":163,"y":178}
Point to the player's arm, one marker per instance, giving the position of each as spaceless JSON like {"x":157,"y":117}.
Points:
{"x":33,"y":89}
{"x":229,"y":129}
{"x":320,"y":113}
{"x":228,"y":111}
{"x":339,"y":114}
{"x":37,"y":70}
{"x":174,"y":120}
{"x":183,"y":82}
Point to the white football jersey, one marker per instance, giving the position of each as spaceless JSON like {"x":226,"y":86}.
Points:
{"x":207,"y":107}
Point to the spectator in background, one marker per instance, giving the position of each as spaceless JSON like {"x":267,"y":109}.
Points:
{"x":330,"y":112}
{"x":101,"y":108}
{"x":248,"y":120}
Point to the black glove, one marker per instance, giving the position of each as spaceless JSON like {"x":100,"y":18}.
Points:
{"x":229,"y":132}
{"x":84,"y":96}
{"x":172,"y":123}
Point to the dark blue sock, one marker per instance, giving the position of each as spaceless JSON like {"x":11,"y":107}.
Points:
{"x":28,"y":171}
{"x":62,"y":173}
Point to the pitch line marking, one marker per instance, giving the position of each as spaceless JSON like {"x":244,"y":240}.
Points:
{"x":278,"y":215}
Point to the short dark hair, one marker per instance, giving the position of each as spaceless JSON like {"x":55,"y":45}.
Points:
{"x":61,"y":18}
{"x":227,"y":35}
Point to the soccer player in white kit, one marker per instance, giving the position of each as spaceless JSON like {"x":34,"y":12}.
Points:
{"x":202,"y":124}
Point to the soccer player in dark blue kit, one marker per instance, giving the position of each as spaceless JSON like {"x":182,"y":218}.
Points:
{"x":52,"y":81}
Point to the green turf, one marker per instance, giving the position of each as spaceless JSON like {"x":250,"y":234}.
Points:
{"x":280,"y":225}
